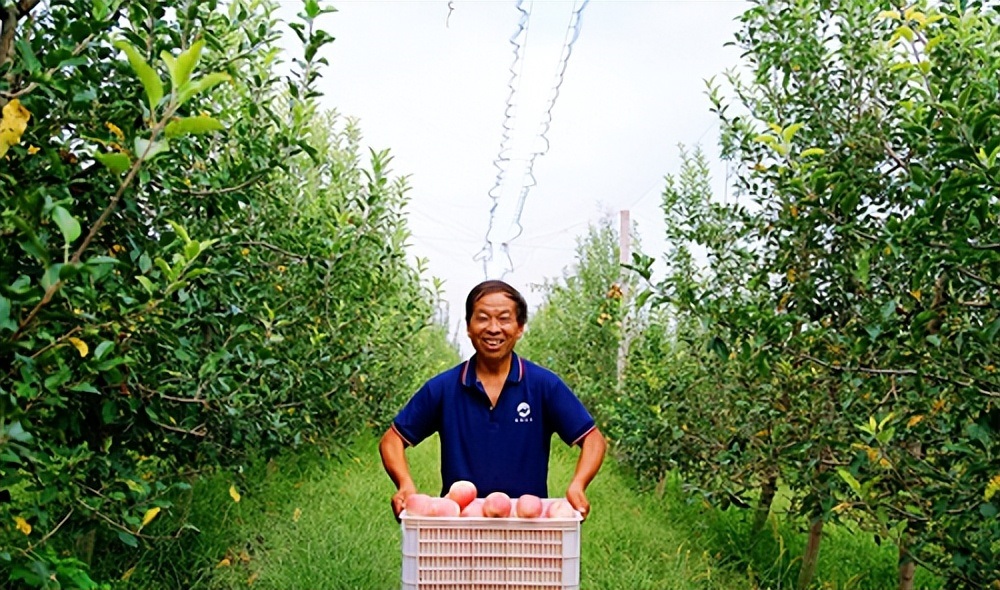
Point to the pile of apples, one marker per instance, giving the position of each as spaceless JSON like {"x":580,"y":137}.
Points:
{"x":461,"y":500}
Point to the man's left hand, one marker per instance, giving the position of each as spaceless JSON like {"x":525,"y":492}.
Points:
{"x":578,"y":499}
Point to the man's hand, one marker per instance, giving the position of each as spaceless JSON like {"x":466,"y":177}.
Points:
{"x":592,"y":449}
{"x":399,"y":499}
{"x":578,"y":499}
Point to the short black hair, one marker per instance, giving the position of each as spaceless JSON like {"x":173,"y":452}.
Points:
{"x":494,"y":286}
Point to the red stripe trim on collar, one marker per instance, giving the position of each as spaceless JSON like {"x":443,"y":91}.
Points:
{"x":465,"y":373}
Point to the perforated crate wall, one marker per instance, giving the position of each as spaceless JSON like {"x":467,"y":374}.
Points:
{"x":476,"y":553}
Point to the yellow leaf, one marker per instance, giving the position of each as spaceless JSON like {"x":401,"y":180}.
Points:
{"x":80,"y":346}
{"x":914,"y":421}
{"x":224,"y":563}
{"x":234,"y":493}
{"x":115,"y":130}
{"x":128,"y":573}
{"x":244,"y":556}
{"x":22,"y":525}
{"x":842,"y":507}
{"x":252,"y":578}
{"x":791,"y":275}
{"x":888,"y":14}
{"x":12,"y":124}
{"x":992,"y":488}
{"x":33,"y":149}
{"x":297,"y":515}
{"x":150,"y":515}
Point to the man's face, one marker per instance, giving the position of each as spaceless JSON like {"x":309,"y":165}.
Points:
{"x":493,"y":327}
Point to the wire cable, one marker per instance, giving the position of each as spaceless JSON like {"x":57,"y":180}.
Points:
{"x":515,"y":168}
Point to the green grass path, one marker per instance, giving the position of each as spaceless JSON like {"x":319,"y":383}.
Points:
{"x":328,"y":526}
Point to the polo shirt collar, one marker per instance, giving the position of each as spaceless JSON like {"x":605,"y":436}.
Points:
{"x":514,"y":376}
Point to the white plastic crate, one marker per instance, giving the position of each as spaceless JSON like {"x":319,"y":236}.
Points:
{"x":478,"y":553}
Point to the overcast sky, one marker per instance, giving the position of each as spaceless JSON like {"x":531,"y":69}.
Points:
{"x":431,"y":85}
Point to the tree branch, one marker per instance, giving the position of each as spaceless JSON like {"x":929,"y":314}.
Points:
{"x":273,"y":248}
{"x":220,"y":191}
{"x":907,"y":372}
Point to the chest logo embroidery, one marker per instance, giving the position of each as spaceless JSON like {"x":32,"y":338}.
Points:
{"x":523,"y":412}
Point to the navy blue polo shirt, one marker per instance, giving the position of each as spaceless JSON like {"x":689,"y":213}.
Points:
{"x":499,"y":449}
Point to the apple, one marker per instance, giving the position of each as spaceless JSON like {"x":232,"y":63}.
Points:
{"x":528,"y":506}
{"x":475,"y":508}
{"x":418,"y":505}
{"x":561,"y":509}
{"x":497,"y":505}
{"x":444,"y":507}
{"x":462,"y":492}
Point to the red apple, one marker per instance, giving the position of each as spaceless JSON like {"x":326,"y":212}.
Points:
{"x":444,"y":507}
{"x":463,"y":492}
{"x":561,"y":509}
{"x":528,"y":506}
{"x":418,"y":505}
{"x":497,"y":505}
{"x":475,"y":508}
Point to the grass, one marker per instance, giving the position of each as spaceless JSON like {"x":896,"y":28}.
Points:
{"x":312,"y":522}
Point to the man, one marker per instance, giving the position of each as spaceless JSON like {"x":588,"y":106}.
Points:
{"x":495,"y":413}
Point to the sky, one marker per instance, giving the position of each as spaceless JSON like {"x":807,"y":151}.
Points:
{"x":429,"y":81}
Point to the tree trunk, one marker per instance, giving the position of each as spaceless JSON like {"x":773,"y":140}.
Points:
{"x":811,"y":556}
{"x":767,"y":491}
{"x":907,"y":568}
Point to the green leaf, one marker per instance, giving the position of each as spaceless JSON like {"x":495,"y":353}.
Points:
{"x":147,"y":150}
{"x":312,"y":8}
{"x":180,"y":231}
{"x":850,"y":479}
{"x":202,"y":84}
{"x":186,"y":63}
{"x":146,"y":284}
{"x":176,"y":285}
{"x":191,"y":250}
{"x":790,"y":131}
{"x":814,"y":151}
{"x":862,"y":267}
{"x":171,"y":62}
{"x":117,"y":162}
{"x":193,"y":125}
{"x":68,"y":224}
{"x":103,"y":348}
{"x":51,"y":276}
{"x":27,"y":55}
{"x":100,"y":10}
{"x":151,"y":82}
{"x":6,"y":323}
{"x":128,"y":539}
{"x":16,"y":432}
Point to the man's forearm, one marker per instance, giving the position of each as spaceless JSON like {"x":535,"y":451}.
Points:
{"x":393,"y":453}
{"x":592,"y":450}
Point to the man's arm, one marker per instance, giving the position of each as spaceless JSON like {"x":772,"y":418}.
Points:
{"x":592,"y":449}
{"x":393,"y":452}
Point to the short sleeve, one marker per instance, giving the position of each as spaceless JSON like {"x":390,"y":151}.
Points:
{"x":420,"y":417}
{"x":567,"y":414}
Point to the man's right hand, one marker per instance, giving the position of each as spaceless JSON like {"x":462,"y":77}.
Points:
{"x":399,"y":499}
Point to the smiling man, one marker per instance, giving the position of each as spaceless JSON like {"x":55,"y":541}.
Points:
{"x":495,"y":413}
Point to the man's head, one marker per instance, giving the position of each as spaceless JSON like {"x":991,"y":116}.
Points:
{"x":494,"y":286}
{"x":495,"y":314}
